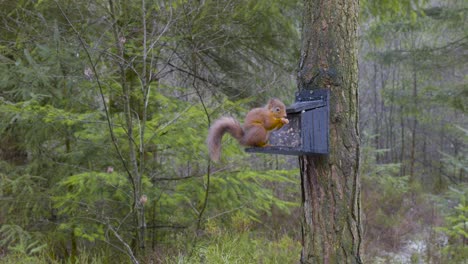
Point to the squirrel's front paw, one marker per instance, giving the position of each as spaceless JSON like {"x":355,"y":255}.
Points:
{"x":284,"y":120}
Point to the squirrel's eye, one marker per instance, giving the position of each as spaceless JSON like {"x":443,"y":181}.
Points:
{"x":277,"y":109}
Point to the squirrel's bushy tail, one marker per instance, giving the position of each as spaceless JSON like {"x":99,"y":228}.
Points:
{"x":217,"y":130}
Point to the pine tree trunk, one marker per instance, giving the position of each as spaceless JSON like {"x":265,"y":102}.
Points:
{"x":376,"y":115}
{"x":330,"y":184}
{"x":414,"y":126}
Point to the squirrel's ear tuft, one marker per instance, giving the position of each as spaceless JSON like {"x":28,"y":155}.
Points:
{"x":269,"y":103}
{"x":272,"y":102}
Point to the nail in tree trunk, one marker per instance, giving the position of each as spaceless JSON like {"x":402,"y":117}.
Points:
{"x":330,"y":184}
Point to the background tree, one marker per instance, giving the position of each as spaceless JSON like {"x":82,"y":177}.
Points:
{"x":330,"y":184}
{"x":412,"y":72}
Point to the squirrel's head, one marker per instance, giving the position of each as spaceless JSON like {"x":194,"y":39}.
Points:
{"x":277,"y":107}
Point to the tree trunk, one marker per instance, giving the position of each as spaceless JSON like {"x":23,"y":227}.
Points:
{"x":376,"y":132}
{"x":390,"y":123}
{"x":330,"y":184}
{"x":381,"y":116}
{"x":414,"y":125}
{"x":402,"y":140}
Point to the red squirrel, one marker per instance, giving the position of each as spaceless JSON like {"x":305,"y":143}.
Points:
{"x":257,"y":125}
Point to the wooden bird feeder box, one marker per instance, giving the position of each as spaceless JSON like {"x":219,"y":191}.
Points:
{"x":307,"y":132}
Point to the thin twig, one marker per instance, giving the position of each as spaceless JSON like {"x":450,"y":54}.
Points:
{"x":127,"y":247}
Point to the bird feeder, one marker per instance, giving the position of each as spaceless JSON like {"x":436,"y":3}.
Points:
{"x":308,"y":129}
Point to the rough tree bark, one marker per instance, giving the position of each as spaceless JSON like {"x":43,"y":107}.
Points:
{"x":330,"y":184}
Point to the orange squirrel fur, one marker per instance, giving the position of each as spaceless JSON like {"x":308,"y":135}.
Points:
{"x":257,"y":125}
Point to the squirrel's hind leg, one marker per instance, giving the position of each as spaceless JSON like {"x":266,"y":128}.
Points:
{"x":255,"y":136}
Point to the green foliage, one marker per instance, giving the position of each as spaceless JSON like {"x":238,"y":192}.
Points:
{"x":385,"y":195}
{"x":388,"y":9}
{"x":456,"y":226}
{"x":241,"y":191}
{"x":16,"y":258}
{"x":229,"y":249}
{"x":83,"y":140}
{"x":84,"y":257}
{"x":243,"y":247}
{"x":88,"y":200}
{"x":233,"y":38}
{"x":24,"y":196}
{"x":458,"y":163}
{"x":393,"y":207}
{"x":19,"y":241}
